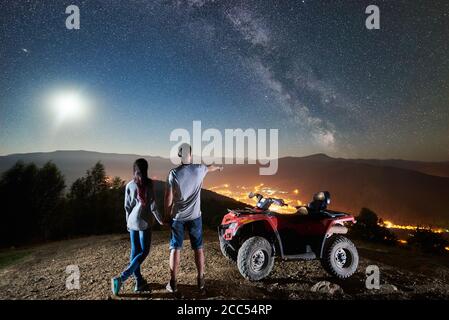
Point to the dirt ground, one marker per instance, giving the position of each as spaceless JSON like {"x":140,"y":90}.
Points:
{"x":41,"y":273}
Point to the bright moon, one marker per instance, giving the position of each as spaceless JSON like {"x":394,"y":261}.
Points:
{"x":68,"y":105}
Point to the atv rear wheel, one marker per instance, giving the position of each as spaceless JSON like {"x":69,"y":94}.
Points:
{"x":227,"y":251}
{"x":340,"y":257}
{"x":255,"y":258}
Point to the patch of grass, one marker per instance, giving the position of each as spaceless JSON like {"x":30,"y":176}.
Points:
{"x":11,"y":256}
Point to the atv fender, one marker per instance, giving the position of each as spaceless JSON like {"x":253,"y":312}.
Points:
{"x":333,"y":229}
{"x":336,"y":229}
{"x":264,"y":227}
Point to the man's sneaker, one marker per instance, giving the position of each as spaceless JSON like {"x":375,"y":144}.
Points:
{"x":141,"y":285}
{"x":201,"y":283}
{"x":171,"y":286}
{"x":116,"y":284}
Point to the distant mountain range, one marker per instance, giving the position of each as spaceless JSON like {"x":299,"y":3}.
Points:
{"x":440,"y":169}
{"x":403,"y":195}
{"x":75,"y":163}
{"x":404,"y":191}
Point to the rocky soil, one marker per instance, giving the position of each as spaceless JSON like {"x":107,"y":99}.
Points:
{"x":41,"y":274}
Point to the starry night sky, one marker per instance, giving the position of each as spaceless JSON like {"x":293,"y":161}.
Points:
{"x":309,"y":68}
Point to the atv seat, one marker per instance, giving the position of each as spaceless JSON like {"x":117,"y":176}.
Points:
{"x":302,"y":210}
{"x":319,"y":203}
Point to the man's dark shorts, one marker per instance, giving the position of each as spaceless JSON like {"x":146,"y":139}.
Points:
{"x":195,"y":229}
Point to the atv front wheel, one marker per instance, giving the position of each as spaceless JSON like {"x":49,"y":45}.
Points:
{"x":340,"y":257}
{"x":227,"y":251}
{"x":255,"y":258}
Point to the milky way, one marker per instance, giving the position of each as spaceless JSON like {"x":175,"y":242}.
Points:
{"x":309,"y":68}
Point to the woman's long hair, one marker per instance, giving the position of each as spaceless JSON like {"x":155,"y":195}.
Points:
{"x":141,"y":179}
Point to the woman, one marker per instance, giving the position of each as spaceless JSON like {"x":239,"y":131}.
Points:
{"x":141,"y":210}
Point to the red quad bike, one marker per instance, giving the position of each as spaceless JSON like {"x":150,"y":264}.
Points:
{"x":253,"y":237}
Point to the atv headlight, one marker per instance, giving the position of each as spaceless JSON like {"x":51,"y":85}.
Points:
{"x":233,"y":225}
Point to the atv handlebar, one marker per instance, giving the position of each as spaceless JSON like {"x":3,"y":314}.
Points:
{"x":279,"y":202}
{"x":265,"y":203}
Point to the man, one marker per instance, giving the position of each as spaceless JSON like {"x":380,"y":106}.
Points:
{"x":183,"y":205}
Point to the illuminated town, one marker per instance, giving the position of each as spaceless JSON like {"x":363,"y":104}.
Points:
{"x":390,"y":225}
{"x":240,"y":193}
{"x":292,"y":198}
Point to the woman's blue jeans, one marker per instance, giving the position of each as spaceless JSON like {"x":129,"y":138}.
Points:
{"x":140,"y":248}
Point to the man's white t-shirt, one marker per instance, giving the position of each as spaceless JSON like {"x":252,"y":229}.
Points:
{"x":186,"y":182}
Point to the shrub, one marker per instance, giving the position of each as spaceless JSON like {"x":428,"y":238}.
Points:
{"x":368,"y":227}
{"x":427,"y":241}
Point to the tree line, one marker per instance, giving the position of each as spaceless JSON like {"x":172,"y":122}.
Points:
{"x":37,"y":207}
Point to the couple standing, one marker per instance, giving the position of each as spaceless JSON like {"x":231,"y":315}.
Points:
{"x":182,"y":210}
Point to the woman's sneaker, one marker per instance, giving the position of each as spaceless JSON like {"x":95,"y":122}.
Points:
{"x":116,"y":284}
{"x":171,"y":286}
{"x":141,"y":286}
